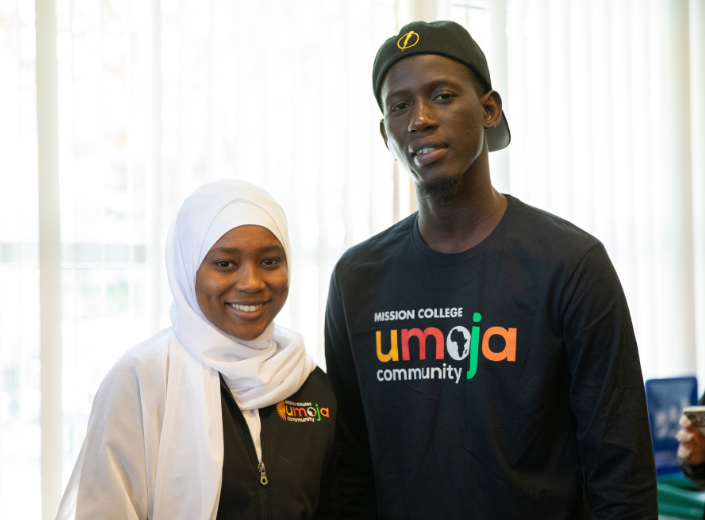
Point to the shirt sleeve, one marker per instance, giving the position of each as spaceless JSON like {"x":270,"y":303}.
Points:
{"x":109,"y":480}
{"x":607,"y":392}
{"x":358,"y":498}
{"x":696,"y":474}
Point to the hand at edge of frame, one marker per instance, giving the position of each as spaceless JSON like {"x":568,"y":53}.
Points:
{"x":691,"y":447}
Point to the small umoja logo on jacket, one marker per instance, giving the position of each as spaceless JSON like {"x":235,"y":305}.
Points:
{"x":301,"y":412}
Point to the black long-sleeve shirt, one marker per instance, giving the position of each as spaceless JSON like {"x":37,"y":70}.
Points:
{"x":500,"y":382}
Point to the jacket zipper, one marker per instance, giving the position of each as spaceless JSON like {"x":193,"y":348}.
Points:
{"x":263,"y":480}
{"x":262,"y":474}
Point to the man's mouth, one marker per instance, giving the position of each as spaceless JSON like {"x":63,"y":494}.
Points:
{"x":246,"y":308}
{"x":429,"y":154}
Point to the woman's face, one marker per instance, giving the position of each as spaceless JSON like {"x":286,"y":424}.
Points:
{"x":243,"y":281}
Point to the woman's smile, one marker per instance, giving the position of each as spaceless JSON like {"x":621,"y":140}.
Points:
{"x":247,"y":312}
{"x":246,"y":308}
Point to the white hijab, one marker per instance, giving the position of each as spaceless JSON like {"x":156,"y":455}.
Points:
{"x":260,"y":372}
{"x":154,"y":445}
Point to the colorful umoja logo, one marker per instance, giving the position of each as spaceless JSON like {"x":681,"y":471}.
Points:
{"x":301,"y":412}
{"x":410,"y":39}
{"x":460,"y":343}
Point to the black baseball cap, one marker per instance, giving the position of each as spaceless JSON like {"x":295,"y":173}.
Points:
{"x":447,"y":39}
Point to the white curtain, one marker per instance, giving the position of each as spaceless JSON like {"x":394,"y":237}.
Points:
{"x":19,"y":272}
{"x":603,"y":97}
{"x":605,"y":103}
{"x":155,"y":98}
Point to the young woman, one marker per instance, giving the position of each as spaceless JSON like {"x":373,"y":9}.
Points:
{"x":223,"y":415}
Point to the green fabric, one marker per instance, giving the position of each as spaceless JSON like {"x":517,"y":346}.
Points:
{"x":679,"y":498}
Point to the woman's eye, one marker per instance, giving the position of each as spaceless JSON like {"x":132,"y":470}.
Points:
{"x":269,"y":262}
{"x":224,"y":264}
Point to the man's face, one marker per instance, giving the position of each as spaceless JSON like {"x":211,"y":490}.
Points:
{"x":434,"y":120}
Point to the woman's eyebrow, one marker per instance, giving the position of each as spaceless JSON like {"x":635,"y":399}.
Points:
{"x":273,"y":247}
{"x":231,"y":250}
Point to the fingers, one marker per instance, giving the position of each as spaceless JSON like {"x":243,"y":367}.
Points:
{"x":691,"y":447}
{"x":689,"y":426}
{"x":684,"y":452}
{"x":685,"y":436}
{"x":685,"y":446}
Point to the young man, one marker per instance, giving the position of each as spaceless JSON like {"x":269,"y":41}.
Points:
{"x":482,"y":350}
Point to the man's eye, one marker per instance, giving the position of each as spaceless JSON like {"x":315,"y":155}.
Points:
{"x":444,"y":96}
{"x":399,"y":106}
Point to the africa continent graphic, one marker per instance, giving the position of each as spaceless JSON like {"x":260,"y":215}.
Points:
{"x":456,"y":337}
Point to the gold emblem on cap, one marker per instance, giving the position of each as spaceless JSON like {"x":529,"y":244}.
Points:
{"x":406,"y":37}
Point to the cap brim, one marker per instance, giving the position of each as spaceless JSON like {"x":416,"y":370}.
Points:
{"x":499,"y":136}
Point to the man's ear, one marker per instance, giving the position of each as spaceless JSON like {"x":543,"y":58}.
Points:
{"x":383,"y":131}
{"x":491,"y":108}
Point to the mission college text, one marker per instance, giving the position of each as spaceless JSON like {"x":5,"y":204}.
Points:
{"x":452,"y":312}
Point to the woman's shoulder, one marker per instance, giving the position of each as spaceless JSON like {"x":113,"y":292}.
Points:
{"x":318,"y":385}
{"x":152,"y":350}
{"x":139,"y":368}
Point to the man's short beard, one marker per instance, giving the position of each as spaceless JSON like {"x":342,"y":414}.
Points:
{"x":441,"y":191}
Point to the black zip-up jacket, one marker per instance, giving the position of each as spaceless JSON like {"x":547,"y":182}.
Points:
{"x":297,"y":478}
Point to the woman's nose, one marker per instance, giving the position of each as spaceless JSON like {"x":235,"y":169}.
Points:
{"x":249,"y":279}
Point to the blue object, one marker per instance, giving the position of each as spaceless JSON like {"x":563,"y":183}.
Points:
{"x":665,"y":399}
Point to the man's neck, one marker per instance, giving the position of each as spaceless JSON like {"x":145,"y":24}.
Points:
{"x":467,"y":219}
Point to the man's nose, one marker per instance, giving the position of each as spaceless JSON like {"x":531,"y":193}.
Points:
{"x":422,"y":117}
